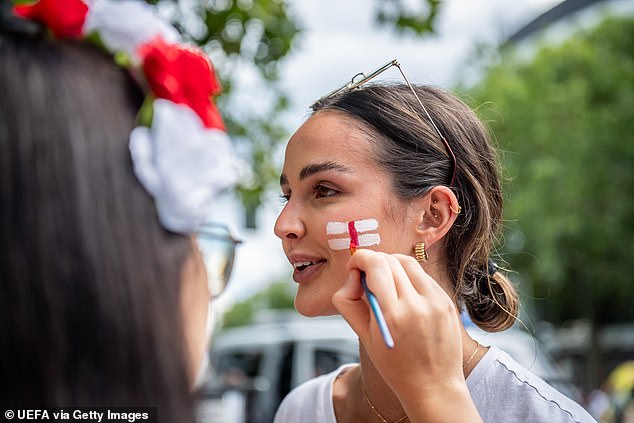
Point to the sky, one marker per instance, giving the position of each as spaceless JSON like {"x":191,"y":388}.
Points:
{"x":340,"y":39}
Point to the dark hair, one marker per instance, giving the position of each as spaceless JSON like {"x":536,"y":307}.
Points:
{"x":89,"y":308}
{"x":413,"y":154}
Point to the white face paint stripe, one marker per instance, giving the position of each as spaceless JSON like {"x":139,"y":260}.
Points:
{"x":333,"y":228}
{"x":364,"y":225}
{"x":365,"y":240}
{"x":339,"y":243}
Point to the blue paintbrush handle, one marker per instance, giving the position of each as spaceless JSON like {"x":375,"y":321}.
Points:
{"x":378,"y":314}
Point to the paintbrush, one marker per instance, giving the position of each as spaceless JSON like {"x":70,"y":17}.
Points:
{"x":360,"y":235}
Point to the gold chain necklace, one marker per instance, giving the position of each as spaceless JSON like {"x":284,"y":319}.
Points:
{"x":379,"y":415}
{"x":402,"y":419}
{"x":472,"y":356}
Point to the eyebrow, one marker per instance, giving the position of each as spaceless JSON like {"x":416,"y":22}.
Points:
{"x":314,"y":168}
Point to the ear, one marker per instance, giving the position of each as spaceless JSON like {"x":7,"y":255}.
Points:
{"x":438,"y":211}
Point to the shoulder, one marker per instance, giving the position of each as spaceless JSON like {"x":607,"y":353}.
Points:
{"x":310,"y":402}
{"x":503,"y":389}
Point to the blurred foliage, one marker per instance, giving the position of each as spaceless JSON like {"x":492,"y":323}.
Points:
{"x":277,"y":296}
{"x":565,"y":120}
{"x":248,"y":40}
{"x":405,"y":19}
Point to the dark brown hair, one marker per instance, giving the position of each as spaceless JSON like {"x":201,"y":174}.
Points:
{"x":90,"y":293}
{"x":413,"y":154}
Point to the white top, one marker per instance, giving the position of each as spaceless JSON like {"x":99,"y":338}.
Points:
{"x":502,"y":390}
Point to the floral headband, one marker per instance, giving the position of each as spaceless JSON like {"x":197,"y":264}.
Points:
{"x":183,"y":157}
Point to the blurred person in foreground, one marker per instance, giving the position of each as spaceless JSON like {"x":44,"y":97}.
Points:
{"x":107,"y":175}
{"x":408,"y":172}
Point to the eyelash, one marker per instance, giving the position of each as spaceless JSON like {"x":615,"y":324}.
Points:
{"x":319,"y":191}
{"x":323,"y":191}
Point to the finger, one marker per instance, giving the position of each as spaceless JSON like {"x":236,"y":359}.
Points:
{"x":349,"y":301}
{"x":379,"y":277}
{"x":438,"y":301}
{"x":402,"y":278}
{"x":420,"y":280}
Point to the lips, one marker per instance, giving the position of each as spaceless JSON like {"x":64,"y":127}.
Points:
{"x":306,"y":268}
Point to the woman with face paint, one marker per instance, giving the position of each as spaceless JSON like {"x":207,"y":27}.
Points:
{"x":405,"y":176}
{"x":104,"y":290}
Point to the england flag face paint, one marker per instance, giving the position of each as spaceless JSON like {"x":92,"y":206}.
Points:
{"x":360,"y":233}
{"x":355,"y":234}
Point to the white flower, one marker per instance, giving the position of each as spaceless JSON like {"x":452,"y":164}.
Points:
{"x":182,"y":164}
{"x":124,"y":25}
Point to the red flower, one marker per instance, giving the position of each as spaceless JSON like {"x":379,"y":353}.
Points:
{"x":183,"y":75}
{"x":65,"y":18}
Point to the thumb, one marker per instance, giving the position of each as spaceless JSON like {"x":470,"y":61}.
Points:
{"x":349,"y":301}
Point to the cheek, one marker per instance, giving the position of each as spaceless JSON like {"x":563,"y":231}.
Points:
{"x":194,"y":309}
{"x":395,"y":239}
{"x":397,"y":228}
{"x":315,"y":299}
{"x":337,"y":270}
{"x":338,"y":262}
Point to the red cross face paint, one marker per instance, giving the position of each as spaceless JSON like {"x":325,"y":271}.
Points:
{"x":360,"y":233}
{"x":356,"y":233}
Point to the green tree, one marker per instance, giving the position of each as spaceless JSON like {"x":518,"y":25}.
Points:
{"x":245,"y":37}
{"x":254,"y":37}
{"x":565,"y":120}
{"x":278,"y":296}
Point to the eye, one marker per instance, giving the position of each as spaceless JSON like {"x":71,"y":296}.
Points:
{"x":323,"y":191}
{"x":284,"y":198}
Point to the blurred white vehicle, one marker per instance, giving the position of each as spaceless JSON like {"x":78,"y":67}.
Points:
{"x":254,"y":367}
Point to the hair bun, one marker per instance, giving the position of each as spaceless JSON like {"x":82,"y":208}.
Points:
{"x":495,"y":305}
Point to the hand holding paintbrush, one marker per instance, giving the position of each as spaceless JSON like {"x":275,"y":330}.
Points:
{"x":361,"y":233}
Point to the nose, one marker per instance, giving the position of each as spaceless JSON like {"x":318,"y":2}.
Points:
{"x":289,"y":224}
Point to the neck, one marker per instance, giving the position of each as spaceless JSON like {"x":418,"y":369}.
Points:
{"x":378,"y":392}
{"x":371,"y":382}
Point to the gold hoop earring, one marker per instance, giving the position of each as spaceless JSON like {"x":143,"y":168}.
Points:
{"x":455,"y":211}
{"x":420,"y":253}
